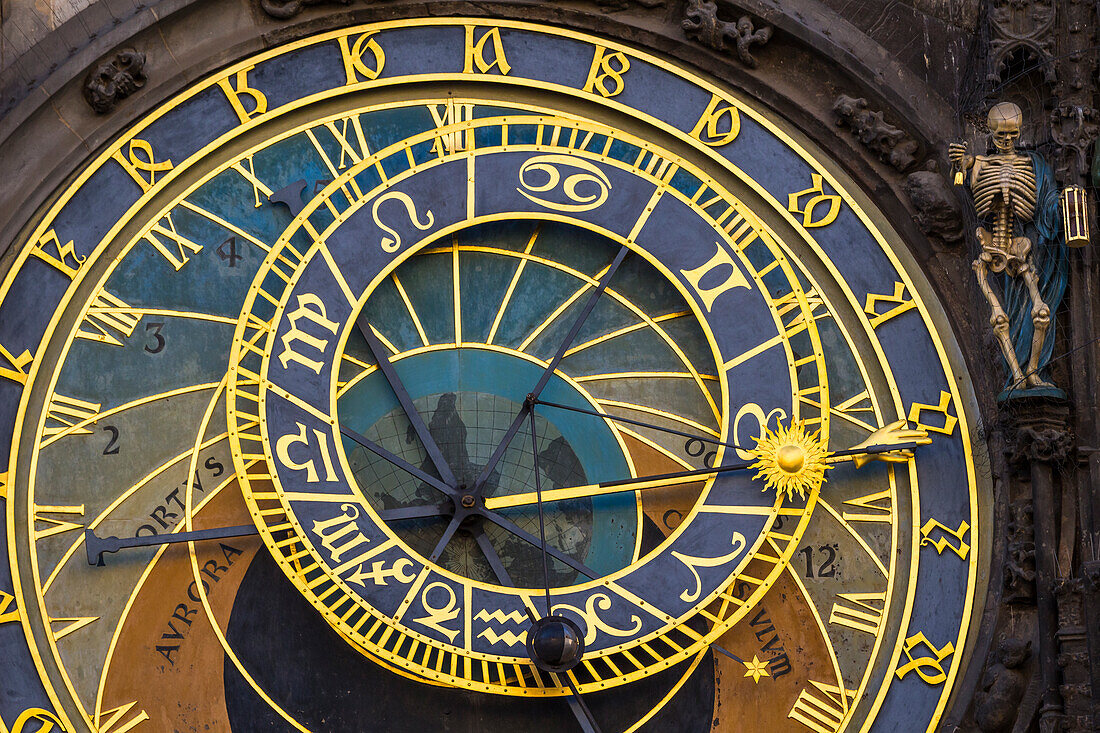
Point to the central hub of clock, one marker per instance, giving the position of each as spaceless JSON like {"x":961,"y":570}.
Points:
{"x":467,"y":397}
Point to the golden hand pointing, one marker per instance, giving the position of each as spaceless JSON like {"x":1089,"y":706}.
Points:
{"x":893,"y":434}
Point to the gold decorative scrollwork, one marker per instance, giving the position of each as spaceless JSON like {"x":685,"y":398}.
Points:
{"x":928,"y":668}
{"x":689,"y":595}
{"x":439,"y":615}
{"x":392,"y":243}
{"x":592,"y":621}
{"x":587,"y":174}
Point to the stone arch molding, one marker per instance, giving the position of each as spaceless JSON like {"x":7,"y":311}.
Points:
{"x":47,"y":127}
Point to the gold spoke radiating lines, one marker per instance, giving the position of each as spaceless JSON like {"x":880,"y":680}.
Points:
{"x":851,"y":530}
{"x":457,"y":289}
{"x":640,"y":375}
{"x":512,"y":285}
{"x":412,"y":311}
{"x":562,"y":308}
{"x":622,"y":332}
{"x":611,"y":292}
{"x":385,"y":342}
{"x":152,"y":475}
{"x":228,"y":226}
{"x":659,"y":413}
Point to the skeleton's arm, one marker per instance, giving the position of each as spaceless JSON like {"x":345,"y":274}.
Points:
{"x":958,"y":154}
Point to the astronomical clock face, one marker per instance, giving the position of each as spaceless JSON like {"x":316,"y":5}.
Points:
{"x":339,"y":370}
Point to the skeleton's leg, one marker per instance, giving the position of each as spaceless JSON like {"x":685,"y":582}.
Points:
{"x":1040,"y":316}
{"x":997,"y":319}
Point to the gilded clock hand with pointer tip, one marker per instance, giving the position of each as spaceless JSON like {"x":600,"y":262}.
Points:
{"x":509,"y":395}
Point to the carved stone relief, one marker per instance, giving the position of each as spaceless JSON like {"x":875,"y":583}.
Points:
{"x":997,"y":702}
{"x":939,"y":213}
{"x":283,"y":9}
{"x":112,"y":81}
{"x":1050,"y":445}
{"x":702,"y":24}
{"x":1073,"y":128}
{"x":1021,"y":24}
{"x":891,"y":144}
{"x":622,"y":4}
{"x":1073,"y":657}
{"x":1019,"y":567}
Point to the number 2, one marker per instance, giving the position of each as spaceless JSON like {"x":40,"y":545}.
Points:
{"x":112,"y":445}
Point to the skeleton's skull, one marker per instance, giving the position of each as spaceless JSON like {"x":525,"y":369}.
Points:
{"x":1005,"y":120}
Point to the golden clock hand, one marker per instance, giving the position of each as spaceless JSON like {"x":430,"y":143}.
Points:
{"x":494,"y":503}
{"x":859,"y":454}
{"x":893,"y":434}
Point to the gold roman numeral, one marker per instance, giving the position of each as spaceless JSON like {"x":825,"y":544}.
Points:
{"x":871,"y":509}
{"x":793,"y":316}
{"x":174,"y":244}
{"x":62,"y":627}
{"x":353,"y":148}
{"x":109,"y":319}
{"x":823,"y":711}
{"x":249,"y":174}
{"x":451,"y":114}
{"x":55,"y":526}
{"x":115,"y":720}
{"x":66,"y":413}
{"x":856,"y":611}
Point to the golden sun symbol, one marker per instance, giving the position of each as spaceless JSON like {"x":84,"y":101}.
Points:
{"x":790,"y":460}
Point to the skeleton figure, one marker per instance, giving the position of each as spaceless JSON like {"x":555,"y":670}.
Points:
{"x":1015,"y":198}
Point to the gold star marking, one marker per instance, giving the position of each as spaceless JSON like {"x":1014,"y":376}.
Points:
{"x":756,"y":669}
{"x":790,"y":459}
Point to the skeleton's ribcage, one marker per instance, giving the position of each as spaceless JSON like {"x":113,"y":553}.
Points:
{"x":1008,"y":184}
